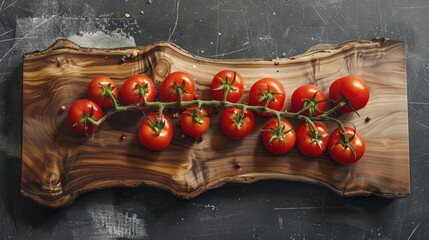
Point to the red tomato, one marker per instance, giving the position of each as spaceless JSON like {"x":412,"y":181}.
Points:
{"x":340,"y":152}
{"x":309,"y":95}
{"x":354,"y":89}
{"x":194,"y":123}
{"x":80,"y":109}
{"x":98,"y":95}
{"x":310,"y":145}
{"x":266,"y":88}
{"x":134,"y":87}
{"x":277,"y":139}
{"x":179,"y":78}
{"x":235,"y":124}
{"x":148,"y":137}
{"x":226,"y":78}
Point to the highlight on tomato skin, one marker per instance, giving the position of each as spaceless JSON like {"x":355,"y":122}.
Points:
{"x":176,"y":80}
{"x":354,"y":89}
{"x":341,"y":152}
{"x":310,"y":96}
{"x":194,"y":122}
{"x":147,"y":134}
{"x":267,"y":89}
{"x":133,"y":88}
{"x":230,"y":79}
{"x":76,"y":113}
{"x":310,"y":145}
{"x":235,"y":124}
{"x":278,"y":139}
{"x":99,"y":95}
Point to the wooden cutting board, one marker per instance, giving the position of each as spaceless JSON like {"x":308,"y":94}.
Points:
{"x":58,"y":165}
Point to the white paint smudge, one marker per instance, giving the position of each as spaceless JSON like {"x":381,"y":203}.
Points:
{"x":113,"y":223}
{"x":98,"y":218}
{"x":100,"y":39}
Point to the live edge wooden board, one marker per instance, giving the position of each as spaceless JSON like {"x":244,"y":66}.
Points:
{"x":58,"y":165}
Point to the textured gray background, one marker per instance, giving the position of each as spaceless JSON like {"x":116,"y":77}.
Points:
{"x":214,"y":29}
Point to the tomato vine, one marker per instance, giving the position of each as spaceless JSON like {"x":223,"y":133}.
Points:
{"x":266,"y":98}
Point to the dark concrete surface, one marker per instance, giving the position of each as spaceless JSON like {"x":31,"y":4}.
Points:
{"x":224,"y":30}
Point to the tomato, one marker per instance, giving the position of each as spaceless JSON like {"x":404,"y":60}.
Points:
{"x":309,"y":144}
{"x":354,"y":89}
{"x":194,"y":123}
{"x":98,"y":95}
{"x":180,"y":79}
{"x":308,"y":95}
{"x":224,"y":79}
{"x":235,"y":124}
{"x":277,"y":139}
{"x":264,"y":89}
{"x":147,"y":135}
{"x":134,"y":87}
{"x":84,"y":108}
{"x":340,"y":152}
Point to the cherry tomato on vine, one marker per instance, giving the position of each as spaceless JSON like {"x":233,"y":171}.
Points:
{"x":98,"y":94}
{"x":81,"y":109}
{"x":135,"y":87}
{"x":277,"y":139}
{"x":340,"y":150}
{"x":310,"y":144}
{"x":235,"y":124}
{"x":267,"y":89}
{"x":227,"y":79}
{"x":194,"y":123}
{"x":148,"y":135}
{"x":309,"y":96}
{"x":174,"y":81}
{"x":352,"y":88}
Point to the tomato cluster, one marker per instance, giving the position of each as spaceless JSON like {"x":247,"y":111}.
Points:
{"x":266,"y":97}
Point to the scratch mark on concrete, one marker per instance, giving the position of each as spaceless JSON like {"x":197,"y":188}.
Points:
{"x":269,"y":25}
{"x":281,"y":223}
{"x":218,"y":26}
{"x":25,"y":36}
{"x":177,"y":20}
{"x":421,"y":155}
{"x":228,"y":53}
{"x":419,"y":103}
{"x":243,"y":11}
{"x":8,"y":6}
{"x":217,"y":5}
{"x":324,"y":24}
{"x":6,"y":32}
{"x":11,"y":39}
{"x":359,"y":209}
{"x":2,"y":4}
{"x":423,"y":125}
{"x":409,"y":237}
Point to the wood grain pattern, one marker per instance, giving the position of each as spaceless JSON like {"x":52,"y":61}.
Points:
{"x":58,"y":165}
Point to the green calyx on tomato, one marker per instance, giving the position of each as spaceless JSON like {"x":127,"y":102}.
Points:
{"x":346,"y":141}
{"x":107,"y":90}
{"x":84,"y":116}
{"x":267,"y":96}
{"x":315,"y":136}
{"x":226,"y":85}
{"x":312,"y":105}
{"x":237,"y":118}
{"x":179,"y":90}
{"x":195,"y":114}
{"x":142,"y":90}
{"x":158,"y":125}
{"x":278,"y":133}
{"x":87,"y":118}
